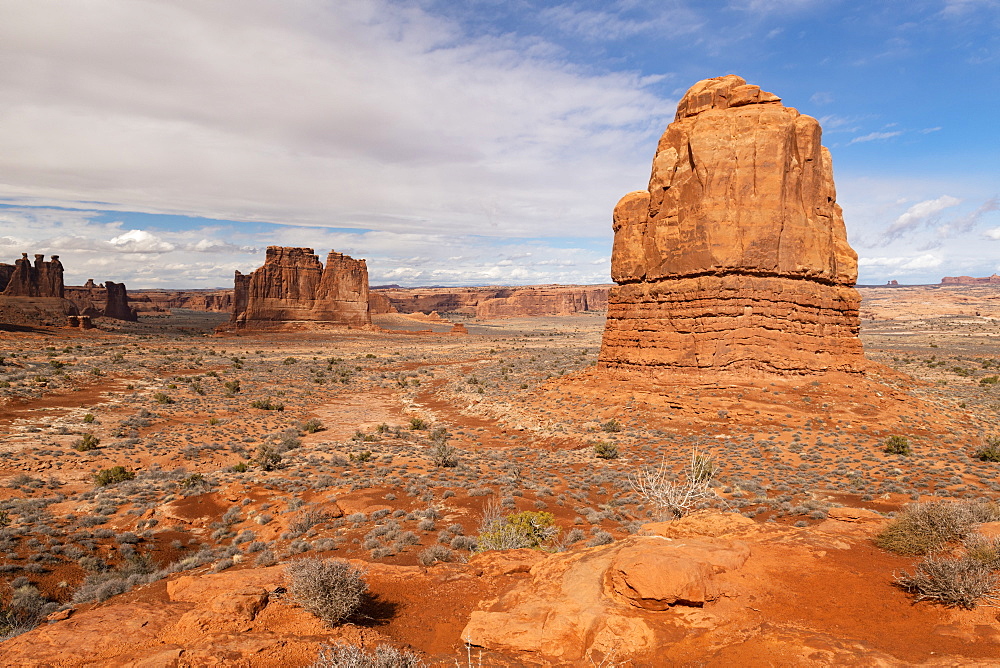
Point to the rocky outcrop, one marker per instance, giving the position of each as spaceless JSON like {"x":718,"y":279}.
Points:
{"x":294,"y":286}
{"x":95,"y":300}
{"x":971,"y":280}
{"x":163,"y":301}
{"x":499,"y":302}
{"x":735,"y":258}
{"x":544,"y":300}
{"x":42,"y":279}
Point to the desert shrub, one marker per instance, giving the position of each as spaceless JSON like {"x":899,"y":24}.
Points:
{"x":989,"y":380}
{"x":922,"y":528}
{"x":267,"y":458}
{"x":363,"y":456}
{"x":605,"y":450}
{"x":528,"y":528}
{"x":963,"y":582}
{"x":311,"y":426}
{"x":240,"y":467}
{"x":113,"y":475}
{"x":232,"y":386}
{"x":86,"y":443}
{"x":193,"y":481}
{"x":349,"y":656}
{"x":267,"y":405}
{"x":434,"y":554}
{"x":26,"y":610}
{"x":331,"y":589}
{"x":89,"y":418}
{"x":162,"y":398}
{"x":991,"y":451}
{"x":444,"y":455}
{"x":417,"y":423}
{"x":306,"y":520}
{"x":611,"y":426}
{"x":984,"y":550}
{"x":102,"y":585}
{"x":897,"y":445}
{"x":676,"y":498}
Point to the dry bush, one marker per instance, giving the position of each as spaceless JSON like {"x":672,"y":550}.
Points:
{"x":349,"y":656}
{"x":676,"y":498}
{"x":331,"y":589}
{"x":922,"y":528}
{"x":962,"y":582}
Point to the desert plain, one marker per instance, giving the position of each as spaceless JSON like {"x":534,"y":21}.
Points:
{"x":387,"y":447}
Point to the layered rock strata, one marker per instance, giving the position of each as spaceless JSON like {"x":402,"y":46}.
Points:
{"x":294,"y":286}
{"x":489,"y":303}
{"x":735,"y":258}
{"x":24,"y":279}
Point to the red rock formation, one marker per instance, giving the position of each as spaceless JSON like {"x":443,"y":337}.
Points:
{"x":162,"y":301}
{"x":108,"y":300}
{"x":44,"y":279}
{"x":293,"y":286}
{"x":500,"y":302}
{"x":970,"y":280}
{"x":735,"y":258}
{"x":379,"y":304}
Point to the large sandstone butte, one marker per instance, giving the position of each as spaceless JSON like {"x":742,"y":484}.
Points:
{"x":735,"y":259}
{"x":294,"y":286}
{"x":24,"y":279}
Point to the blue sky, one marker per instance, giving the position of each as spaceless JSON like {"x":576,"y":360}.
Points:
{"x":166,"y":144}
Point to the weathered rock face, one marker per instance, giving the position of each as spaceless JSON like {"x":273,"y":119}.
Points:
{"x":294,"y":286}
{"x":736,"y":257}
{"x":109,"y":300}
{"x":499,"y":302}
{"x":22,"y":279}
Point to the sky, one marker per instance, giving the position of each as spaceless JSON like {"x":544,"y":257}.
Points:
{"x":167,"y":143}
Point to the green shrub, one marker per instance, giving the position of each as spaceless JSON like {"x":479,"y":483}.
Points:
{"x":611,"y":426}
{"x":242,"y":467}
{"x":417,"y":423}
{"x":267,"y":405}
{"x":88,"y":418}
{"x":331,"y":589}
{"x":922,"y":528}
{"x":232,"y":386}
{"x":528,"y":528}
{"x":113,"y":475}
{"x":605,"y":450}
{"x":268,"y":458}
{"x":162,"y":398}
{"x":192,"y":481}
{"x":963,"y":582}
{"x":989,"y":380}
{"x":312,"y":426}
{"x":289,"y":360}
{"x":991,"y":451}
{"x":88,"y":442}
{"x":363,"y":456}
{"x":897,"y":445}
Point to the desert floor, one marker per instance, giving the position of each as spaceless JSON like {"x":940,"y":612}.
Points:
{"x":251,"y":449}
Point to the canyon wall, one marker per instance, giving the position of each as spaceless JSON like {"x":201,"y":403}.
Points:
{"x":110,"y":300}
{"x":294,"y":286}
{"x":499,"y":302}
{"x":24,"y":279}
{"x":735,"y":258}
{"x":971,"y":280}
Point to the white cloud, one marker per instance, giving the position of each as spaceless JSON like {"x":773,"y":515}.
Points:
{"x":363,"y":114}
{"x":899,"y":266}
{"x":992,"y":234}
{"x":919,"y":214}
{"x":140,"y":241}
{"x":875,"y":136}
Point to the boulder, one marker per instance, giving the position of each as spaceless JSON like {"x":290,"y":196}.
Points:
{"x":735,"y":258}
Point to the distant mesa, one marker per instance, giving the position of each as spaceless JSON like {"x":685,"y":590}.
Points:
{"x":34,"y":294}
{"x":489,"y":303}
{"x":293,"y":286}
{"x":735,"y":258}
{"x":970,"y":280}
